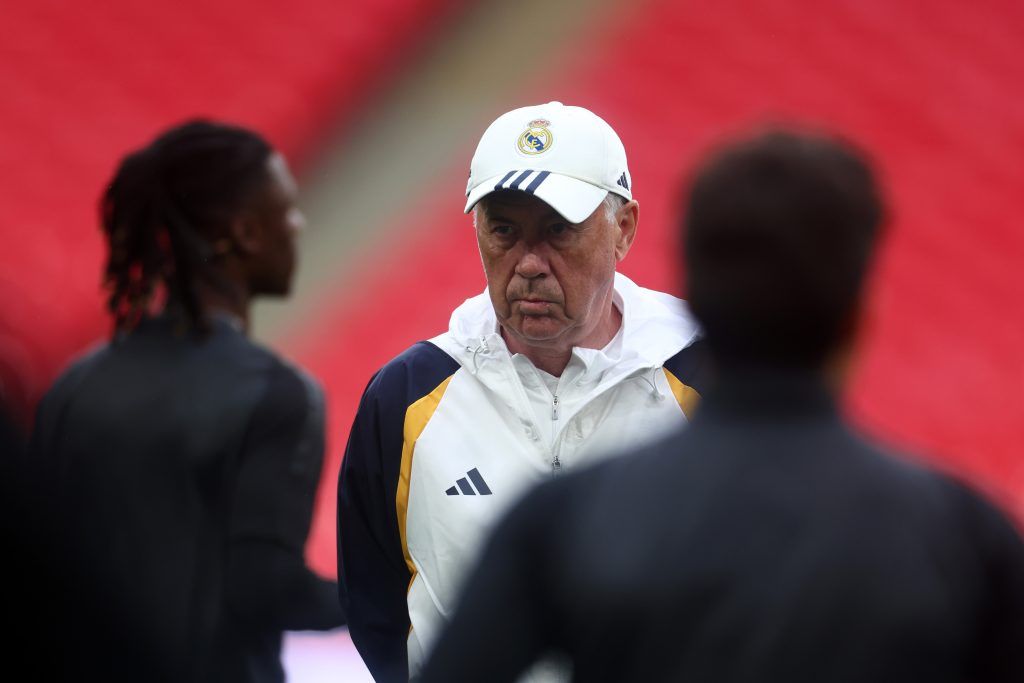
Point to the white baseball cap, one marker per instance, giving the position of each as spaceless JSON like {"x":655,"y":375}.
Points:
{"x":566,"y":156}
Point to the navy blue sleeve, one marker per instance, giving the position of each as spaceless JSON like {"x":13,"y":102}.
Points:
{"x":371,"y":565}
{"x":691,"y":366}
{"x":44,"y":449}
{"x":268,"y":582}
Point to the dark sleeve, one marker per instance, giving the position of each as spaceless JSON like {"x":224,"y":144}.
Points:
{"x":371,"y":564}
{"x":1000,"y":651}
{"x":268,"y":582}
{"x":505,"y":620}
{"x":44,"y":466}
{"x":692,"y":367}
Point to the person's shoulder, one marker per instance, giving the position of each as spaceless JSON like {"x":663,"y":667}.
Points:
{"x":412,"y":374}
{"x":289,"y":384}
{"x":902,"y":472}
{"x":902,"y":482}
{"x":988,"y":522}
{"x":423,"y":356}
{"x":967,"y":507}
{"x":968,"y":522}
{"x":77,"y":370}
{"x":690,"y":365}
{"x":277,"y":384}
{"x":377,"y":434}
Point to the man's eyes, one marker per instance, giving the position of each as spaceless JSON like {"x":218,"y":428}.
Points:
{"x":556,"y":230}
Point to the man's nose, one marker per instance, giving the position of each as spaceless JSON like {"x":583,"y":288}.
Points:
{"x":532,"y":263}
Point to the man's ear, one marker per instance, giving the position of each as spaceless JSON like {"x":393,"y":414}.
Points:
{"x":246,"y":233}
{"x":627,"y":218}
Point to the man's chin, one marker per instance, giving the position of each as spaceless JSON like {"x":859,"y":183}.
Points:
{"x":536,"y":329}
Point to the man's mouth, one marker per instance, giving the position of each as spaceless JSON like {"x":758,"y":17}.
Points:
{"x":531,"y":306}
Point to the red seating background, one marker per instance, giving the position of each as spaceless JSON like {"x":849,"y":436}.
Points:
{"x":930,"y":87}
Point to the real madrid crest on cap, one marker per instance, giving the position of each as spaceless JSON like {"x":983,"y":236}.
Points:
{"x":537,"y":138}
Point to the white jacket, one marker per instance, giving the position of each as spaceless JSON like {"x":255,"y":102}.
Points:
{"x":453,"y":431}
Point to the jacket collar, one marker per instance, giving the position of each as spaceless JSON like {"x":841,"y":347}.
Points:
{"x":655,"y":326}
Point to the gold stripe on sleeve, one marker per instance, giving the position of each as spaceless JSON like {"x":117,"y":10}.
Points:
{"x":416,"y":418}
{"x":686,"y":396}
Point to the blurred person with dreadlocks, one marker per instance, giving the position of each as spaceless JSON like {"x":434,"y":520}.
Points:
{"x":181,"y":458}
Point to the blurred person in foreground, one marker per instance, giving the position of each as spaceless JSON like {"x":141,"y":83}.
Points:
{"x":183,"y":458}
{"x":559,"y":362}
{"x":769,"y":541}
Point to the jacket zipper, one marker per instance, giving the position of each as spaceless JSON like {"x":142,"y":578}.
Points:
{"x":556,"y":464}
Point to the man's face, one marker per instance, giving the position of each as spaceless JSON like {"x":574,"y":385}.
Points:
{"x":279,"y":221}
{"x":550,"y":281}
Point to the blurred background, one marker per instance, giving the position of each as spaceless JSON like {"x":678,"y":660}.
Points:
{"x":379,"y":104}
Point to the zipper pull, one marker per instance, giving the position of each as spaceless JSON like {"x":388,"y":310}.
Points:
{"x":556,"y":466}
{"x":554,"y":407}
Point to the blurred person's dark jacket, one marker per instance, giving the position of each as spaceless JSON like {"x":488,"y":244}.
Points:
{"x":182,"y":470}
{"x":768,"y":542}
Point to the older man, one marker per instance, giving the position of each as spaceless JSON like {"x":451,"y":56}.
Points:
{"x":560,"y":362}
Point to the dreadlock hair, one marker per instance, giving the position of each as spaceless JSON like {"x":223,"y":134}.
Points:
{"x":164,"y":208}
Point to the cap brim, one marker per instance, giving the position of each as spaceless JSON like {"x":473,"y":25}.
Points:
{"x":574,"y":199}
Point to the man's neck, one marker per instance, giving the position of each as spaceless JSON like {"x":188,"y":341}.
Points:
{"x":554,"y":358}
{"x":233,"y":304}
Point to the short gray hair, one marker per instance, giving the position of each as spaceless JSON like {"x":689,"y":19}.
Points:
{"x":612,"y":203}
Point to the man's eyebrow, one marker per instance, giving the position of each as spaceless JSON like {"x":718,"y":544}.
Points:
{"x":497,"y":218}
{"x":493,"y":215}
